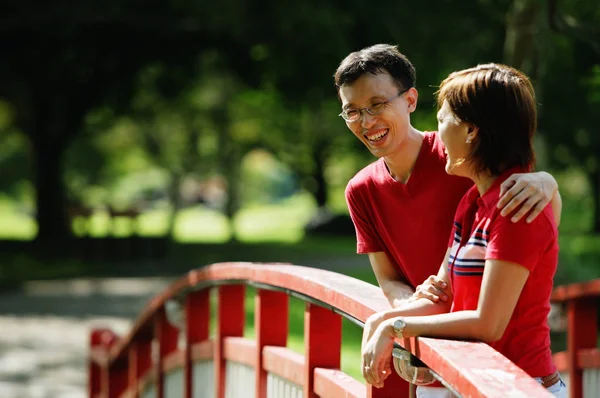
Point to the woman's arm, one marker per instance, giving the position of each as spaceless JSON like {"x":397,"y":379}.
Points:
{"x":500,"y":290}
{"x":421,"y":306}
{"x":501,"y":287}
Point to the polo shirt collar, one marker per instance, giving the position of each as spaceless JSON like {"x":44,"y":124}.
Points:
{"x":492,"y":195}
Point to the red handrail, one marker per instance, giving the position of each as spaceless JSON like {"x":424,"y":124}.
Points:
{"x":581,"y":300}
{"x":122,"y":365}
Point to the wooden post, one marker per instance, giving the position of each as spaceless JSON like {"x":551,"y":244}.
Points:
{"x":231,"y":314}
{"x":100,"y":379}
{"x":165,"y":336}
{"x":322,"y":343}
{"x":140,"y":362}
{"x":582,"y":333}
{"x":117,"y":378}
{"x":197,"y":324}
{"x":394,"y":386}
{"x":94,"y":370}
{"x":271,"y":326}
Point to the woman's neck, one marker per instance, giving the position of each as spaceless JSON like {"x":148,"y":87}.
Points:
{"x":401,"y":163}
{"x":483,"y":182}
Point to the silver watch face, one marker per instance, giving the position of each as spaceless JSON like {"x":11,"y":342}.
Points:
{"x":399,"y":325}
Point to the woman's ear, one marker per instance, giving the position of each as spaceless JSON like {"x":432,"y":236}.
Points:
{"x":472,"y":132}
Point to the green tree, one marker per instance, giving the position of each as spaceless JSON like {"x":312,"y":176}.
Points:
{"x":571,"y":91}
{"x":71,"y":59}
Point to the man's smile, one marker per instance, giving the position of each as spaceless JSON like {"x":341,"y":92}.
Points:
{"x":376,"y":135}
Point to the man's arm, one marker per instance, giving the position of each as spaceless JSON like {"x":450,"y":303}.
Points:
{"x":533,"y":191}
{"x":395,"y":289}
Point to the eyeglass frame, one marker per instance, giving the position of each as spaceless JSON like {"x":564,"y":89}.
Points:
{"x":368,"y":108}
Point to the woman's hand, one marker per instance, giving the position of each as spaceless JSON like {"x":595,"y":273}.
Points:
{"x":371,"y":325}
{"x":433,"y":289}
{"x":376,"y":354}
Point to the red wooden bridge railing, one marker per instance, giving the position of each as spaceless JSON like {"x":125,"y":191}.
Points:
{"x":582,"y":359}
{"x":163,"y":357}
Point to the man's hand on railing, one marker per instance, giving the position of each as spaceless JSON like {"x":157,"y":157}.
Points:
{"x":376,"y":354}
{"x":434,"y":289}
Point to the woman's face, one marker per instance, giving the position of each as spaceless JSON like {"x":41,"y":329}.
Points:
{"x":454,"y":134}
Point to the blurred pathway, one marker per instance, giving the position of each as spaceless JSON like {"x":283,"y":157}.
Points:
{"x":44,"y":329}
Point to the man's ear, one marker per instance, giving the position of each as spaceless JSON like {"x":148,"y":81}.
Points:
{"x":412,"y":96}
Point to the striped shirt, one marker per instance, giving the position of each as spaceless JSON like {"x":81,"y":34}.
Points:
{"x":481,"y":233}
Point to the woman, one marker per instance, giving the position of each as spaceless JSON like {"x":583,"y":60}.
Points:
{"x":499,"y":273}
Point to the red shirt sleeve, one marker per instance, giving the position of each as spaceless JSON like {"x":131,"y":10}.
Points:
{"x":521,"y":242}
{"x":366,"y":235}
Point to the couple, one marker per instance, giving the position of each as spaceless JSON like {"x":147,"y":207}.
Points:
{"x":462,"y":191}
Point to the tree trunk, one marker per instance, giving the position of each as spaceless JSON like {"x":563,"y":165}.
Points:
{"x":595,"y":182}
{"x":318,"y":175}
{"x":190,"y":159}
{"x":174,"y":199}
{"x":519,"y":46}
{"x":229,"y":164}
{"x":231,"y":170}
{"x":53,"y":228}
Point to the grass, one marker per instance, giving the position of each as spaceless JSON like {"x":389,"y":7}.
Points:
{"x":16,"y":224}
{"x":282,"y":222}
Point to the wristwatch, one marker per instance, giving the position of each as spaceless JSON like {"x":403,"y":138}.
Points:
{"x":398,"y":327}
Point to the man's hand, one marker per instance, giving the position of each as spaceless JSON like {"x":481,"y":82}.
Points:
{"x":433,"y":289}
{"x":531,"y":190}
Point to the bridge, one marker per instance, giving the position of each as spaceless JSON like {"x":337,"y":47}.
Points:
{"x":170,"y":351}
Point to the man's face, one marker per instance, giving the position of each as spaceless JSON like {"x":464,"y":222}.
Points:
{"x":383,"y":134}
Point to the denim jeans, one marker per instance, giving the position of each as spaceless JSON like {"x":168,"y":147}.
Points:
{"x":559,"y":390}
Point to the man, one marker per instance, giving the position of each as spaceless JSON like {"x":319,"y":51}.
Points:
{"x":403,"y":204}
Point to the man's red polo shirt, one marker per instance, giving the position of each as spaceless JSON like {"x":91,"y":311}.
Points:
{"x":409,"y":222}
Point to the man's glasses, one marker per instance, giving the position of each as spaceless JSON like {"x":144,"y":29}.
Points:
{"x":353,"y":115}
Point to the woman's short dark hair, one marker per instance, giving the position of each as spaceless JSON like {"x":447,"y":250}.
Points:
{"x":500,"y":101}
{"x":376,"y":59}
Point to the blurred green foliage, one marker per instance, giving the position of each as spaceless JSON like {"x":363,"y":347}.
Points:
{"x":218,"y":122}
